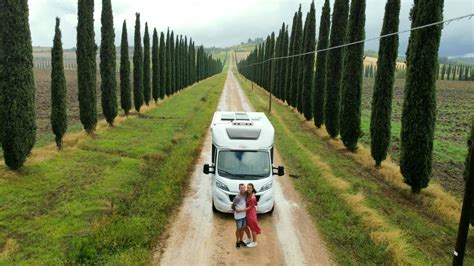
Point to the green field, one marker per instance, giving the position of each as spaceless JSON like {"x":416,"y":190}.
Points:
{"x":364,"y":219}
{"x":106,"y":199}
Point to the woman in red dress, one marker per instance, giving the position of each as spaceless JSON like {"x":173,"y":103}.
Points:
{"x":252,"y":215}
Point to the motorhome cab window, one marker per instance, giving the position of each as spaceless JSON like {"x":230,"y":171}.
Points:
{"x":249,"y":165}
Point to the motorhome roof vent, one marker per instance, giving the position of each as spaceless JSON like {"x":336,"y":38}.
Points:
{"x":243,"y":133}
{"x":241,"y":116}
{"x":227,"y":117}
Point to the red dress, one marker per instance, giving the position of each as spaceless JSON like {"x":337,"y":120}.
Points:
{"x":252,"y":215}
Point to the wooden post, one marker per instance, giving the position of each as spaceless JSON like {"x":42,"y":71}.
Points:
{"x":465,"y":213}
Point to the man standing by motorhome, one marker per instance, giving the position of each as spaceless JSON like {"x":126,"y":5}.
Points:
{"x":240,"y":217}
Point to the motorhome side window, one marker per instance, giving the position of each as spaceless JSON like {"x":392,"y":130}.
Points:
{"x":250,"y":165}
{"x":214,"y":154}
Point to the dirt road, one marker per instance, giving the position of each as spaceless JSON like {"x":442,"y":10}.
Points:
{"x":197,"y":236}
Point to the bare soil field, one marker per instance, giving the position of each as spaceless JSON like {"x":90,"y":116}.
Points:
{"x":455,"y":104}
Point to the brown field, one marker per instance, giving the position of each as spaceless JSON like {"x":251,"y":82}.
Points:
{"x":455,"y":105}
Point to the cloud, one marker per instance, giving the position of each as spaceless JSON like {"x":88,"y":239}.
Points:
{"x":224,"y":23}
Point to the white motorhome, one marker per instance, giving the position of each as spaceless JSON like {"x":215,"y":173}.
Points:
{"x":242,"y":152}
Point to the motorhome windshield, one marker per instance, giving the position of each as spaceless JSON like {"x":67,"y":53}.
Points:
{"x":244,"y":164}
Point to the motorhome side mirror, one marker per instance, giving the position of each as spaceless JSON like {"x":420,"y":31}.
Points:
{"x":206,"y":169}
{"x":281,"y":170}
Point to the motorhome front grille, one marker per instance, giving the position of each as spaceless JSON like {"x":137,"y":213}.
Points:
{"x":232,"y":197}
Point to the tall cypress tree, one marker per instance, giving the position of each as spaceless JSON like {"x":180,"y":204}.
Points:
{"x":138,"y":67}
{"x":321,"y":61}
{"x":107,"y":64}
{"x":352,"y":77}
{"x":168,"y":63}
{"x":289,"y":61}
{"x":146,"y":66}
{"x":176,"y":64}
{"x":284,"y":64}
{"x":17,"y":83}
{"x":162,"y":67}
{"x":173,"y":64}
{"x":86,"y":65}
{"x":296,"y":65}
{"x":419,"y":105}
{"x":58,"y":89}
{"x":278,"y":51}
{"x":443,"y":71}
{"x":125,"y":82}
{"x":308,"y":66}
{"x":156,"y":67}
{"x":380,"y":132}
{"x":334,"y":68}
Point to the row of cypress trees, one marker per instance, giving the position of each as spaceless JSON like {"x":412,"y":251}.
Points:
{"x":451,"y":72}
{"x":171,"y":66}
{"x":333,"y":97}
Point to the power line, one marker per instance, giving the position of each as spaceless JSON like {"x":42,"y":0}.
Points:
{"x":365,"y":40}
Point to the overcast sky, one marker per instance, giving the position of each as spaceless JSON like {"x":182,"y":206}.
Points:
{"x":223,"y":23}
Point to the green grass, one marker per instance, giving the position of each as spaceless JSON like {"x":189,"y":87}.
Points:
{"x":424,"y":238}
{"x":108,"y":200}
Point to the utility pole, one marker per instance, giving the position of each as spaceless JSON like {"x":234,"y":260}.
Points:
{"x":465,"y":213}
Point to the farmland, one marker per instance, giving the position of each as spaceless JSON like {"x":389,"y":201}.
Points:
{"x":455,"y":102}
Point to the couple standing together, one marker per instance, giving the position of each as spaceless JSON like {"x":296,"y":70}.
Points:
{"x":245,"y":214}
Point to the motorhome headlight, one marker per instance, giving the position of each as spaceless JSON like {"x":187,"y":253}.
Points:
{"x":267,"y":186}
{"x":221,"y":185}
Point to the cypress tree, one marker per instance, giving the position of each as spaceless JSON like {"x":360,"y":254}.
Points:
{"x":156,"y":67}
{"x":278,"y":51}
{"x":419,"y":106}
{"x":461,"y":68}
{"x":176,"y":64}
{"x":289,"y":61}
{"x":443,"y":71}
{"x":321,"y":61}
{"x":17,"y":83}
{"x":284,"y":64}
{"x":138,"y":67}
{"x":380,"y":127}
{"x":146,"y":67}
{"x":308,"y":66}
{"x":466,"y":73}
{"x":173,"y":64}
{"x":352,"y":77}
{"x":449,"y":72}
{"x":162,"y":67}
{"x":168,"y":63}
{"x":334,"y":68}
{"x":86,"y":65}
{"x":125,"y":82}
{"x":272,"y":64}
{"x":58,"y":89}
{"x":297,"y":64}
{"x":186,"y":62}
{"x":107,"y":64}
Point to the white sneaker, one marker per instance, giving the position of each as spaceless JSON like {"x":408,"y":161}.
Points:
{"x":247,"y":241}
{"x":252,"y":244}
